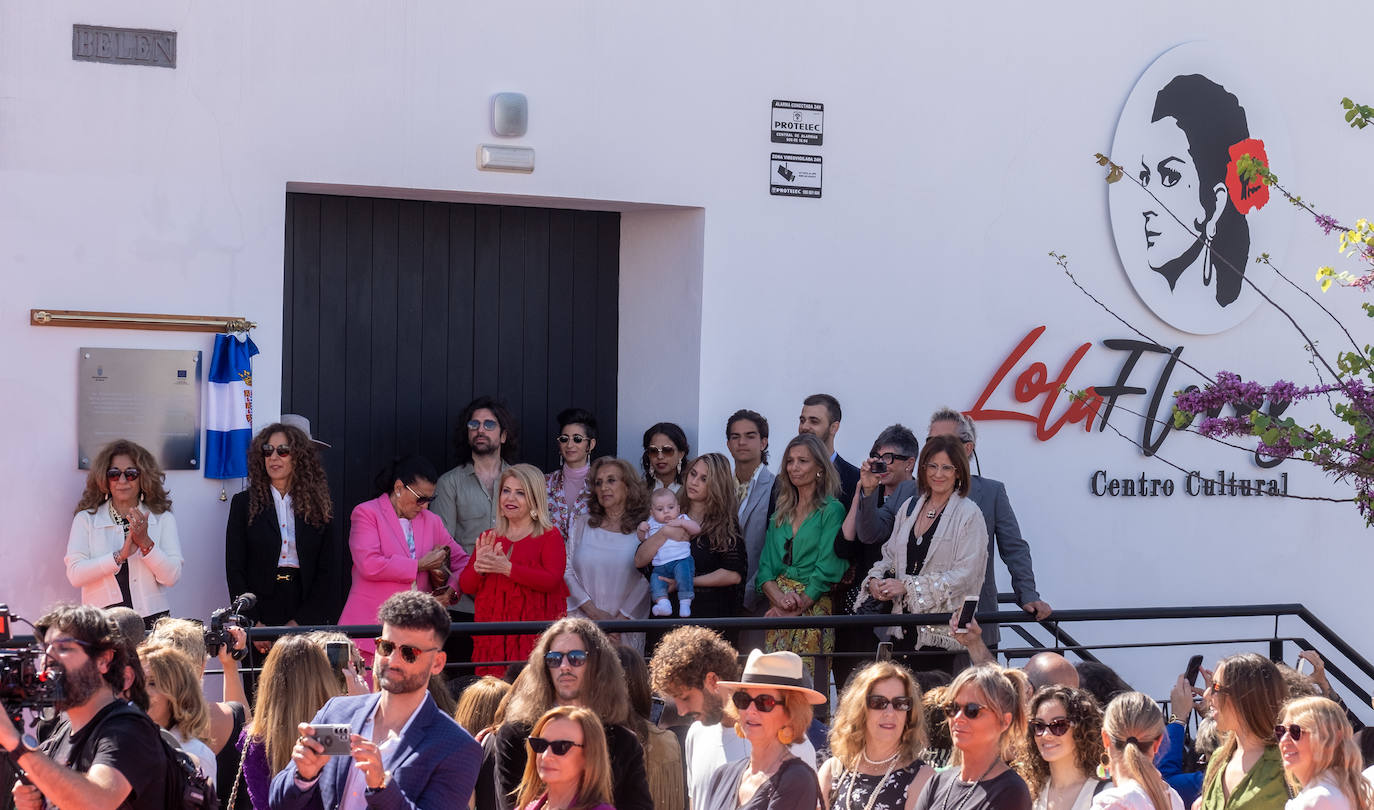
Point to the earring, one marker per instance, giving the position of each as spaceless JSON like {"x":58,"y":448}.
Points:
{"x":785,"y":735}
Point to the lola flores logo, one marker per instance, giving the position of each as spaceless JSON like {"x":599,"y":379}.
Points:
{"x":1190,"y":118}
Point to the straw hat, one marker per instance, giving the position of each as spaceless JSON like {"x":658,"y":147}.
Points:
{"x":776,"y":670}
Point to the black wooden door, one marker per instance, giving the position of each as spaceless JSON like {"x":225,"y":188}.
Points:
{"x":398,"y":313}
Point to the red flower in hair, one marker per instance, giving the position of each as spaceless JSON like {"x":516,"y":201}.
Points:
{"x":1246,"y":197}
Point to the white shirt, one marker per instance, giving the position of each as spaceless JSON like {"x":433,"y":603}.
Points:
{"x":709,"y":747}
{"x":286,"y":521}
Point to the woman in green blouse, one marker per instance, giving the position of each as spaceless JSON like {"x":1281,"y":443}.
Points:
{"x":1246,"y":772}
{"x":798,"y":566}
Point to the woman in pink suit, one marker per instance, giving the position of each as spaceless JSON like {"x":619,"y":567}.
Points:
{"x":398,"y":545}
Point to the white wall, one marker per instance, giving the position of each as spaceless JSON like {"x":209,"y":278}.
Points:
{"x":958,"y":152}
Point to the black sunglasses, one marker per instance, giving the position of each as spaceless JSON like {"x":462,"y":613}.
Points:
{"x":879,"y":702}
{"x":1057,"y":728}
{"x":576,"y":438}
{"x":554,"y":660}
{"x":130,"y":474}
{"x":484,"y":424}
{"x":764,"y":703}
{"x":283,"y":450}
{"x":386,"y":647}
{"x":1292,"y":730}
{"x":970,"y":710}
{"x":559,"y":747}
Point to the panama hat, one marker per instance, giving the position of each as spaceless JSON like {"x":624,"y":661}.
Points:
{"x":775,"y":670}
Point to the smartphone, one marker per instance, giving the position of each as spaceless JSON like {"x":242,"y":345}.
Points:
{"x":335,"y":738}
{"x":966,"y":613}
{"x":1190,"y":674}
{"x":338,"y":653}
{"x":884,"y":651}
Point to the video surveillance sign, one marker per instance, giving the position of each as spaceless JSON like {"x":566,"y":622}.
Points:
{"x":794,"y":175}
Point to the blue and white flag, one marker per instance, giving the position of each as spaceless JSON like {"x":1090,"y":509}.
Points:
{"x":229,"y":407}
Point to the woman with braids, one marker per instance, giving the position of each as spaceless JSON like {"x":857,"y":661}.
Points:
{"x":1246,"y":772}
{"x":1132,"y":728}
{"x":878,"y":732}
{"x":708,"y":497}
{"x":276,"y":543}
{"x":1062,"y":749}
{"x":123,"y":547}
{"x":986,"y":721}
{"x":1320,"y":757}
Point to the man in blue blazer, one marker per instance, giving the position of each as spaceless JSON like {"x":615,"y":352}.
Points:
{"x":404,"y":751}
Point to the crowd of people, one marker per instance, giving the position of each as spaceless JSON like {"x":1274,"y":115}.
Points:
{"x":575,"y":717}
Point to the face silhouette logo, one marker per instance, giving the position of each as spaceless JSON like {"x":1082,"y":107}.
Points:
{"x":1187,"y":235}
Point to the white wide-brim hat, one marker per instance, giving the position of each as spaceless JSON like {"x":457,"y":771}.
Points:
{"x":775,"y":670}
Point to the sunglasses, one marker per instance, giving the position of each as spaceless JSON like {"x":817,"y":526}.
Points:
{"x":970,"y":710}
{"x":879,"y":702}
{"x":420,"y":499}
{"x":764,"y":703}
{"x":559,"y":747}
{"x":484,"y":424}
{"x":576,"y":658}
{"x":1057,"y":728}
{"x":1292,"y":730}
{"x":283,"y":450}
{"x":665,"y":450}
{"x":113,"y":474}
{"x":386,"y":647}
{"x":576,"y":438}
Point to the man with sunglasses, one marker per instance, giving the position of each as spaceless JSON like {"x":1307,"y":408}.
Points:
{"x":405,"y":751}
{"x":572,"y":664}
{"x":104,"y":752}
{"x":687,"y":666}
{"x":487,"y":440}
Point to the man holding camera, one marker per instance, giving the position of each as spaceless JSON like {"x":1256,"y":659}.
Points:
{"x":104,"y":753}
{"x":399,"y":732}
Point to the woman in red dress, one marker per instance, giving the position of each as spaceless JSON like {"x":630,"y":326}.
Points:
{"x":516,"y":570}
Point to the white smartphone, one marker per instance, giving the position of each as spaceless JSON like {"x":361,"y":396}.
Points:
{"x":966,"y":613}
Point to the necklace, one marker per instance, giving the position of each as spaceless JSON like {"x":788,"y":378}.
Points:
{"x":878,"y":788}
{"x":944,"y":805}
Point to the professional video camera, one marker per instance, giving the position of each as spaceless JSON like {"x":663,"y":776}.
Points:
{"x":217,"y":634}
{"x":25,"y":683}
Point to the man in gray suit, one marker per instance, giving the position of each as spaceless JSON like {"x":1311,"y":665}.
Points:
{"x":746,"y":437}
{"x":874,"y":523}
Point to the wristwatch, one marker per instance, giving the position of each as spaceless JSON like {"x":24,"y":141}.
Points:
{"x":27,"y":744}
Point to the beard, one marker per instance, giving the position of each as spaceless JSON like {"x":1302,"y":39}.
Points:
{"x":79,"y":685}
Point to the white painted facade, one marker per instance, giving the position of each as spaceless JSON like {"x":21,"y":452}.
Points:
{"x":957,"y":153}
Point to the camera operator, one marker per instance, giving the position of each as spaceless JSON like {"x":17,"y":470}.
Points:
{"x":229,"y":716}
{"x":104,"y":753}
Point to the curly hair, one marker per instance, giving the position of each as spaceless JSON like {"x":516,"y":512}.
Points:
{"x":308,"y":486}
{"x":849,"y":729}
{"x":1085,"y":721}
{"x":636,"y":496}
{"x":827,"y":487}
{"x":603,"y":679}
{"x":679,"y":440}
{"x":151,"y":479}
{"x":594,"y":789}
{"x":683,"y":658}
{"x":720,"y":520}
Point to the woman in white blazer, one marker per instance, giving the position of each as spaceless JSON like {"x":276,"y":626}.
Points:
{"x":123,"y":547}
{"x":936,"y":555}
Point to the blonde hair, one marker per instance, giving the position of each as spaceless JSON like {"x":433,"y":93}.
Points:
{"x":1334,"y":753}
{"x":847,"y":734}
{"x":477,"y":705}
{"x":798,"y":709}
{"x":295,"y":682}
{"x":184,"y":634}
{"x":1133,"y":723}
{"x":595,"y":786}
{"x":536,"y":493}
{"x":173,"y":674}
